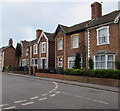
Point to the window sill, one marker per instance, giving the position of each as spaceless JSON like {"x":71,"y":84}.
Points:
{"x":103,"y":44}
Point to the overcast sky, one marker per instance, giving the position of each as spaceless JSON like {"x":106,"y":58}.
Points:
{"x":20,"y":20}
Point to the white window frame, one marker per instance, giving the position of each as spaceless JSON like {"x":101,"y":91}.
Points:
{"x":60,"y":46}
{"x":35,"y":49}
{"x":75,"y":42}
{"x":42,"y":47}
{"x":107,"y":36}
{"x":27,"y":50}
{"x":60,"y":63}
{"x":73,"y":62}
{"x":106,"y":61}
{"x":33,"y":62}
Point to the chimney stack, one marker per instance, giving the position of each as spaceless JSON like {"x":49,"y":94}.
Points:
{"x":96,"y":10}
{"x":10,"y":41}
{"x":38,"y":33}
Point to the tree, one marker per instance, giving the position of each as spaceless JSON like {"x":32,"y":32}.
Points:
{"x":18,"y":52}
{"x":77,"y":61}
{"x":91,"y":63}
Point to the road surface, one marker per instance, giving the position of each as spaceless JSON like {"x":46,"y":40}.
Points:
{"x":29,"y":93}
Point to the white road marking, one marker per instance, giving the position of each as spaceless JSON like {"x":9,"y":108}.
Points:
{"x":34,"y":97}
{"x":52,"y":95}
{"x":56,"y":85}
{"x":12,"y":107}
{"x":50,"y":91}
{"x":27,"y":103}
{"x":57,"y":92}
{"x":20,"y":101}
{"x":42,"y":99}
{"x":2,"y":105}
{"x":86,"y":98}
{"x":44,"y":94}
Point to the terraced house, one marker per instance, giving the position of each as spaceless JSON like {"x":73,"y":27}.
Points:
{"x":7,"y":56}
{"x":98,"y":38}
{"x":38,"y":52}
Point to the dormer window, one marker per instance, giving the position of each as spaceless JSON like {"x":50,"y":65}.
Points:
{"x":35,"y":49}
{"x":103,"y":35}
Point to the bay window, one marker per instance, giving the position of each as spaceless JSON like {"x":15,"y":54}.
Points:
{"x":104,"y":61}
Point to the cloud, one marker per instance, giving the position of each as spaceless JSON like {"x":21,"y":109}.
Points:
{"x":21,"y":19}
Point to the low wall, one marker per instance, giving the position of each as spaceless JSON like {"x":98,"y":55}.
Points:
{"x":100,"y":81}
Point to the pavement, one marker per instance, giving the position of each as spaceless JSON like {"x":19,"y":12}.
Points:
{"x":88,"y":85}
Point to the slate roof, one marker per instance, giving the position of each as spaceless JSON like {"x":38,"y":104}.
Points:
{"x":91,"y":23}
{"x":50,"y":36}
{"x":105,"y":19}
{"x":5,"y":47}
{"x":30,"y":43}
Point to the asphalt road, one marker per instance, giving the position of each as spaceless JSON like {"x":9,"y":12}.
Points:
{"x":29,"y":93}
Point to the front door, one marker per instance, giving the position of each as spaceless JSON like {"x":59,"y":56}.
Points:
{"x":43,"y":63}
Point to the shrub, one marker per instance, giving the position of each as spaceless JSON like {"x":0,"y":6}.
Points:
{"x":59,"y":70}
{"x":117,"y":64}
{"x":74,"y":72}
{"x":99,"y":73}
{"x":9,"y":67}
{"x":67,"y":71}
{"x":77,"y":61}
{"x":91,"y":63}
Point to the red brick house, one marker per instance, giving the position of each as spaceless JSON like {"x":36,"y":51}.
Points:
{"x":38,"y":52}
{"x":98,"y":38}
{"x":7,"y":56}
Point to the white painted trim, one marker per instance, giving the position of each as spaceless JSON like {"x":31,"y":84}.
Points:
{"x":106,"y":60}
{"x":3,"y":59}
{"x":47,"y":54}
{"x":75,"y":35}
{"x":101,"y":25}
{"x":42,"y":34}
{"x":35,"y":45}
{"x":45,"y":62}
{"x":117,"y":18}
{"x":62,"y":29}
{"x":42,"y":47}
{"x":58,"y":44}
{"x":108,"y":35}
{"x":88,"y":41}
{"x":34,"y":62}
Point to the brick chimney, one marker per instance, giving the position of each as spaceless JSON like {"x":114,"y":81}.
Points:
{"x":38,"y":33}
{"x":10,"y":41}
{"x":96,"y":10}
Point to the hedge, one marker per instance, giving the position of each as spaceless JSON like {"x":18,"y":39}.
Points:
{"x":99,"y":73}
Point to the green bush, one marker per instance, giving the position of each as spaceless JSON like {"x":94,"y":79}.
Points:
{"x":74,"y":72}
{"x":99,"y":73}
{"x":9,"y":67}
{"x":117,"y":64}
{"x":67,"y":71}
{"x":91,"y":63}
